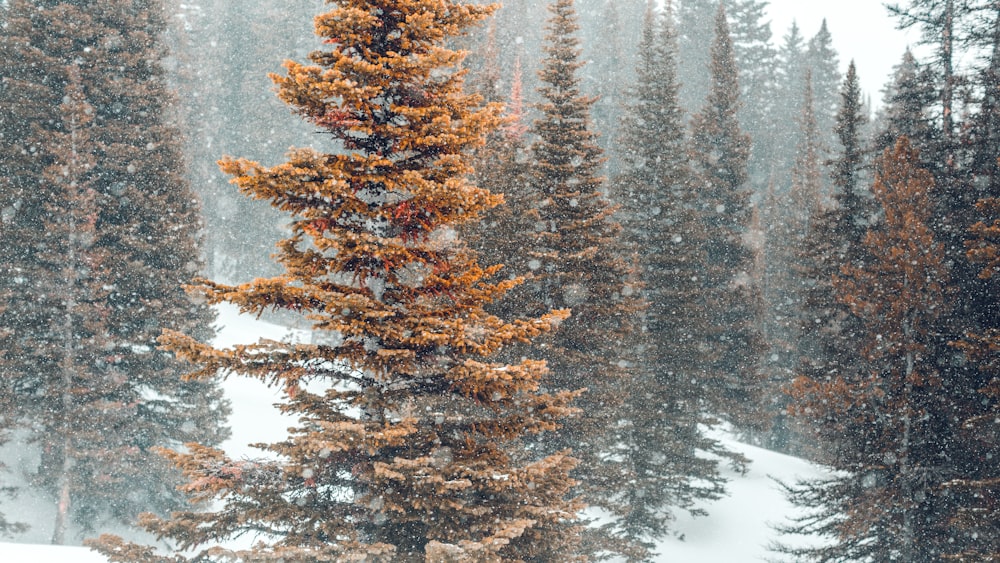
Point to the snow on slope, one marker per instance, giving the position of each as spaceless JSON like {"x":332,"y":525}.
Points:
{"x":739,"y":526}
{"x":737,"y":529}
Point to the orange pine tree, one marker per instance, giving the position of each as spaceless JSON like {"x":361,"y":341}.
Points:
{"x":405,"y":449}
{"x":885,"y":425}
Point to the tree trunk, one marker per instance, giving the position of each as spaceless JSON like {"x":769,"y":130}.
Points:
{"x":947,"y":54}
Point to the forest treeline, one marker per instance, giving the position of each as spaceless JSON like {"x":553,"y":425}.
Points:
{"x":545,"y":250}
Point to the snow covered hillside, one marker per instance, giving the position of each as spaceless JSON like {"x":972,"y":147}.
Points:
{"x":736,"y":530}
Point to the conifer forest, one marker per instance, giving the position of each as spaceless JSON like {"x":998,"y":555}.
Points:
{"x":550,"y":262}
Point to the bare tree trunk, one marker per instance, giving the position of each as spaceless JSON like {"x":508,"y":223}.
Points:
{"x":905,"y":468}
{"x":67,"y":365}
{"x":947,"y":54}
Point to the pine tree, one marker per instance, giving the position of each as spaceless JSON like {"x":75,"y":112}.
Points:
{"x":939,"y":22}
{"x":406,"y":447}
{"x":884,"y":424}
{"x":719,"y":152}
{"x":824,"y":68}
{"x":100,"y":231}
{"x":656,"y":192}
{"x":976,"y":519}
{"x":579,"y":263}
{"x":806,"y":191}
{"x":506,"y":230}
{"x":788,"y":224}
{"x":906,"y":110}
{"x":828,"y":332}
{"x":984,"y":134}
{"x":791,"y":71}
{"x":757,"y":60}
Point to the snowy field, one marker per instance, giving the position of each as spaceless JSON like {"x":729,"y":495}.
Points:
{"x":738,"y":528}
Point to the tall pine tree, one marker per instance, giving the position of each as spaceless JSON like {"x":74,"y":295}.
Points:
{"x":656,"y":192}
{"x":578,"y":263}
{"x":406,"y":446}
{"x":827,"y":330}
{"x":886,"y":424}
{"x":719,"y":150}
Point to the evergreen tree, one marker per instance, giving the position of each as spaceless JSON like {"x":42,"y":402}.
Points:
{"x":791,"y":71}
{"x":984,"y":129}
{"x":884,"y":424}
{"x":505,"y":231}
{"x":976,"y":519}
{"x":406,"y":444}
{"x":578,"y":263}
{"x":824,"y":69}
{"x":656,"y":192}
{"x":906,"y":110}
{"x":788,"y":224}
{"x":100,"y":233}
{"x":828,"y":332}
{"x":757,"y":60}
{"x":939,"y":22}
{"x":807,"y":186}
{"x":719,"y":150}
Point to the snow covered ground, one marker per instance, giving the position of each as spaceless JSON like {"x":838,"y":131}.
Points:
{"x":738,"y":528}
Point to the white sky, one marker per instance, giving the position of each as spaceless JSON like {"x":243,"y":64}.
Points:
{"x":862,"y":30}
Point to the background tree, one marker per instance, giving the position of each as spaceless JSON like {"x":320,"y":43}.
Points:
{"x":99,"y":232}
{"x":783,"y":281}
{"x":665,"y":444}
{"x":824,"y":73}
{"x":220,"y":54}
{"x":828,"y":331}
{"x":507,"y":230}
{"x":406,"y":446}
{"x":732,"y":348}
{"x":884,"y":424}
{"x":757,"y":60}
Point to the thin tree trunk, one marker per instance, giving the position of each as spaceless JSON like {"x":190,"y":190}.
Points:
{"x":62,"y":509}
{"x":905,"y":468}
{"x":947,"y":54}
{"x":67,"y":365}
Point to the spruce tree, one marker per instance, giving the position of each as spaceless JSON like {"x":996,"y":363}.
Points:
{"x":835,"y":238}
{"x":791,"y":71}
{"x":886,"y":425}
{"x":578,"y":263}
{"x":657,"y":192}
{"x":757,"y":60}
{"x":939,"y":22}
{"x":505,"y":231}
{"x":783,"y":278}
{"x":100,"y":232}
{"x":976,"y":517}
{"x":733,"y":346}
{"x":907,"y":110}
{"x":406,"y":442}
{"x":824,"y":68}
